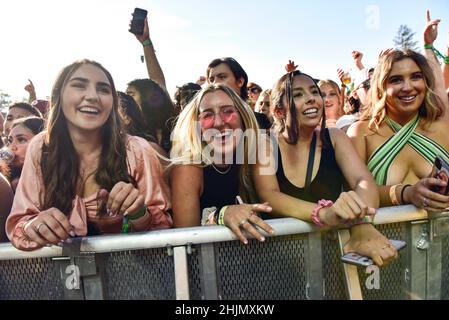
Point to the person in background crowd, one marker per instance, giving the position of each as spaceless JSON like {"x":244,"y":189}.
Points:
{"x":22,"y":131}
{"x":313,"y":162}
{"x":229,"y":72}
{"x":332,"y":101}
{"x":263,"y":104}
{"x":16,"y":111}
{"x":157,"y":108}
{"x":84,"y":175}
{"x":254,"y":91}
{"x":134,"y":121}
{"x":184,"y":94}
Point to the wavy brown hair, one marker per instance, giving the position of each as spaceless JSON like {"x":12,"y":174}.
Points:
{"x":60,"y":163}
{"x":431,"y":108}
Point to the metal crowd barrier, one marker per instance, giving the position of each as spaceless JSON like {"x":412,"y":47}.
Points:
{"x":203,"y":263}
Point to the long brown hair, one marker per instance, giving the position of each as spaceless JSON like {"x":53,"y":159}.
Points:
{"x":60,"y":163}
{"x":284,"y":89}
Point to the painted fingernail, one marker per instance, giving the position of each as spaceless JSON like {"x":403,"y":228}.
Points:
{"x":262,"y":239}
{"x":245,"y":242}
{"x":72,"y":233}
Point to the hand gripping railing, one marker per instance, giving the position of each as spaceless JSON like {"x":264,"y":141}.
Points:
{"x":180,"y":241}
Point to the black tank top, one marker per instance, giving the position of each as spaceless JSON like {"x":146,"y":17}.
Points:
{"x":327,"y":183}
{"x":219,"y":189}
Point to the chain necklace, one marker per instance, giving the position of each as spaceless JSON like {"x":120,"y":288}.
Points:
{"x":222,"y":172}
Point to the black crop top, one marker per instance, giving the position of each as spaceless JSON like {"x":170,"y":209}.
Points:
{"x":219,"y":189}
{"x":327,"y":183}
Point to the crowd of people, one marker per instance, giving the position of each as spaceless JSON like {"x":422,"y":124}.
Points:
{"x":225,"y":151}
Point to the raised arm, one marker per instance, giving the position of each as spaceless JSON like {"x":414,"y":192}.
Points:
{"x":430,"y":34}
{"x":445,"y":67}
{"x":31,"y":91}
{"x":357,"y":56}
{"x":153,"y":67}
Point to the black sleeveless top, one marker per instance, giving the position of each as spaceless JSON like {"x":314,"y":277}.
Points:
{"x":219,"y":189}
{"x":327,"y":183}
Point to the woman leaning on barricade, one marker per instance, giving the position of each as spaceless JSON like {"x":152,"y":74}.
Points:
{"x":405,"y":130}
{"x":84,"y":175}
{"x":214,"y":138}
{"x":312,"y":164}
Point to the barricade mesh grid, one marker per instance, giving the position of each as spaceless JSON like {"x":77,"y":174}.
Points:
{"x":392,"y":277}
{"x":139,"y":274}
{"x":194,"y":266}
{"x":30,"y":279}
{"x":445,"y":269}
{"x":272,"y":270}
{"x":333,"y":274}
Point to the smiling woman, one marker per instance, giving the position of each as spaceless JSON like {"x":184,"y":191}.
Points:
{"x":405,"y":130}
{"x":313,"y":163}
{"x":83,"y":175}
{"x":208,"y":175}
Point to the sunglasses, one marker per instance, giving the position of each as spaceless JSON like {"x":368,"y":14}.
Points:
{"x":254,"y":90}
{"x":226,"y":113}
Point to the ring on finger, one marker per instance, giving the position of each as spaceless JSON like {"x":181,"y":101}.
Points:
{"x":242,"y":223}
{"x":37,"y":227}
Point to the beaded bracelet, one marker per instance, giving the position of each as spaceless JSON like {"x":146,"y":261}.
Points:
{"x":221,"y":216}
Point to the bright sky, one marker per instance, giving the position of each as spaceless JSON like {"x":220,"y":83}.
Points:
{"x":39,"y":37}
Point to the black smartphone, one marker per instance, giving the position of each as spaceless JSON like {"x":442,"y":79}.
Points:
{"x":362,"y":261}
{"x":137,"y":23}
{"x":441,"y":171}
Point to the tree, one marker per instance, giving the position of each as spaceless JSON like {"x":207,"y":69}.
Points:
{"x":404,"y":39}
{"x":5,"y":101}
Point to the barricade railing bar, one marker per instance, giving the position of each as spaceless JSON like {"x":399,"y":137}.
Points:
{"x":203,"y":271}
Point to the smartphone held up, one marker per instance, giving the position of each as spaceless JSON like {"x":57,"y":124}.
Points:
{"x":441,"y":171}
{"x":138,"y":21}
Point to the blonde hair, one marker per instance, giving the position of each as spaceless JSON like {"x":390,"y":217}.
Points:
{"x":187,"y":144}
{"x":431,"y":108}
{"x":336,"y":87}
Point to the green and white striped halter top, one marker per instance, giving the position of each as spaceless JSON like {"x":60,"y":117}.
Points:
{"x":380,"y":161}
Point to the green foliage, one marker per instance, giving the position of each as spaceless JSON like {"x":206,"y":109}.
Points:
{"x":404,"y":39}
{"x":5,"y":101}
